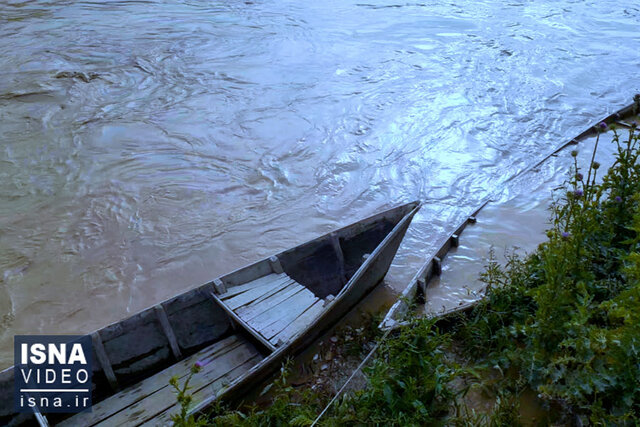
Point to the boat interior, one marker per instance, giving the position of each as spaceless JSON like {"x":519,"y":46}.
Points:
{"x":229,"y":326}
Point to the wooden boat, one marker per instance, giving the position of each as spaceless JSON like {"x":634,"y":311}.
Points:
{"x":416,"y":289}
{"x":240,"y":327}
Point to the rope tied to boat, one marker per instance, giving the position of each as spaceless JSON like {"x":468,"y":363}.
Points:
{"x":353,"y":374}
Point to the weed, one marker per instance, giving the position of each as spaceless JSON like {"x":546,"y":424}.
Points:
{"x":565,"y":321}
{"x":184,"y":398}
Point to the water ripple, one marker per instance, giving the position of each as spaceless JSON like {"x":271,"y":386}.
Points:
{"x":151,"y":145}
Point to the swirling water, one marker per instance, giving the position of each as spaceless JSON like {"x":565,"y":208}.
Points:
{"x":148,"y":146}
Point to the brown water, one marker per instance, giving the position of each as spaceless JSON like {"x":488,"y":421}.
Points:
{"x":149,"y":146}
{"x":514,"y":224}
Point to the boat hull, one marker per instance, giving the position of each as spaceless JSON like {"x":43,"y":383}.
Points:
{"x":368,"y":277}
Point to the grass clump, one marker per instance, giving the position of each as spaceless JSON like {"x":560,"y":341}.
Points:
{"x":565,"y":322}
{"x":409,"y":383}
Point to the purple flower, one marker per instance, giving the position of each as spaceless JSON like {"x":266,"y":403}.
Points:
{"x":565,"y":234}
{"x":197,"y":367}
{"x":618,"y":199}
{"x":634,"y":124}
{"x":603,"y":126}
{"x":579,"y":176}
{"x":578,"y":193}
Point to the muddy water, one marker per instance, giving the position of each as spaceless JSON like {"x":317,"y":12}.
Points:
{"x":150,"y":146}
{"x":514,"y":224}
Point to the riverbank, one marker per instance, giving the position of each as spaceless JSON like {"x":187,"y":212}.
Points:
{"x":557,"y":330}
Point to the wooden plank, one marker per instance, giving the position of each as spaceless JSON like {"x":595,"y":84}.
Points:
{"x":299,"y":324}
{"x":261,"y":305}
{"x":279,"y":325}
{"x":165,"y":398}
{"x":212,"y":389}
{"x":294,"y":307}
{"x":148,"y":386}
{"x":272,"y":277}
{"x":219,"y":286}
{"x":258,"y":302}
{"x":168,"y":331}
{"x":335,"y":242}
{"x":247,"y":274}
{"x":235,"y":318}
{"x":275,"y":264}
{"x":267,"y":315}
{"x":103,"y":359}
{"x":235,"y":290}
{"x":252,"y":294}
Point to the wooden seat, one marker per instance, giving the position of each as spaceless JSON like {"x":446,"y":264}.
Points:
{"x":153,"y":400}
{"x":275,"y":306}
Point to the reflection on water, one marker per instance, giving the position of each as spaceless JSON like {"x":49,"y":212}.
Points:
{"x":514,"y":225}
{"x":150,"y":146}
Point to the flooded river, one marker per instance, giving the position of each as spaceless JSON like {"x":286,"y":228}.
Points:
{"x":149,"y":146}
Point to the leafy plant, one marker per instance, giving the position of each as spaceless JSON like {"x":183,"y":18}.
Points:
{"x":184,"y":398}
{"x":564,"y":321}
{"x":409,"y":381}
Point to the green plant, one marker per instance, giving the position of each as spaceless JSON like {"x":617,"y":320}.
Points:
{"x":183,"y":419}
{"x":563,"y":322}
{"x":288,"y":406}
{"x":409,"y":381}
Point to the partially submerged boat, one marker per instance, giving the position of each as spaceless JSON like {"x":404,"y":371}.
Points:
{"x":239,"y":328}
{"x":416,"y":291}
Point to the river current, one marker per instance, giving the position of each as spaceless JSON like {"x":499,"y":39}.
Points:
{"x":150,"y":146}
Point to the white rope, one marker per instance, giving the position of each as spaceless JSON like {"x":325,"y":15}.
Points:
{"x":373,"y":350}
